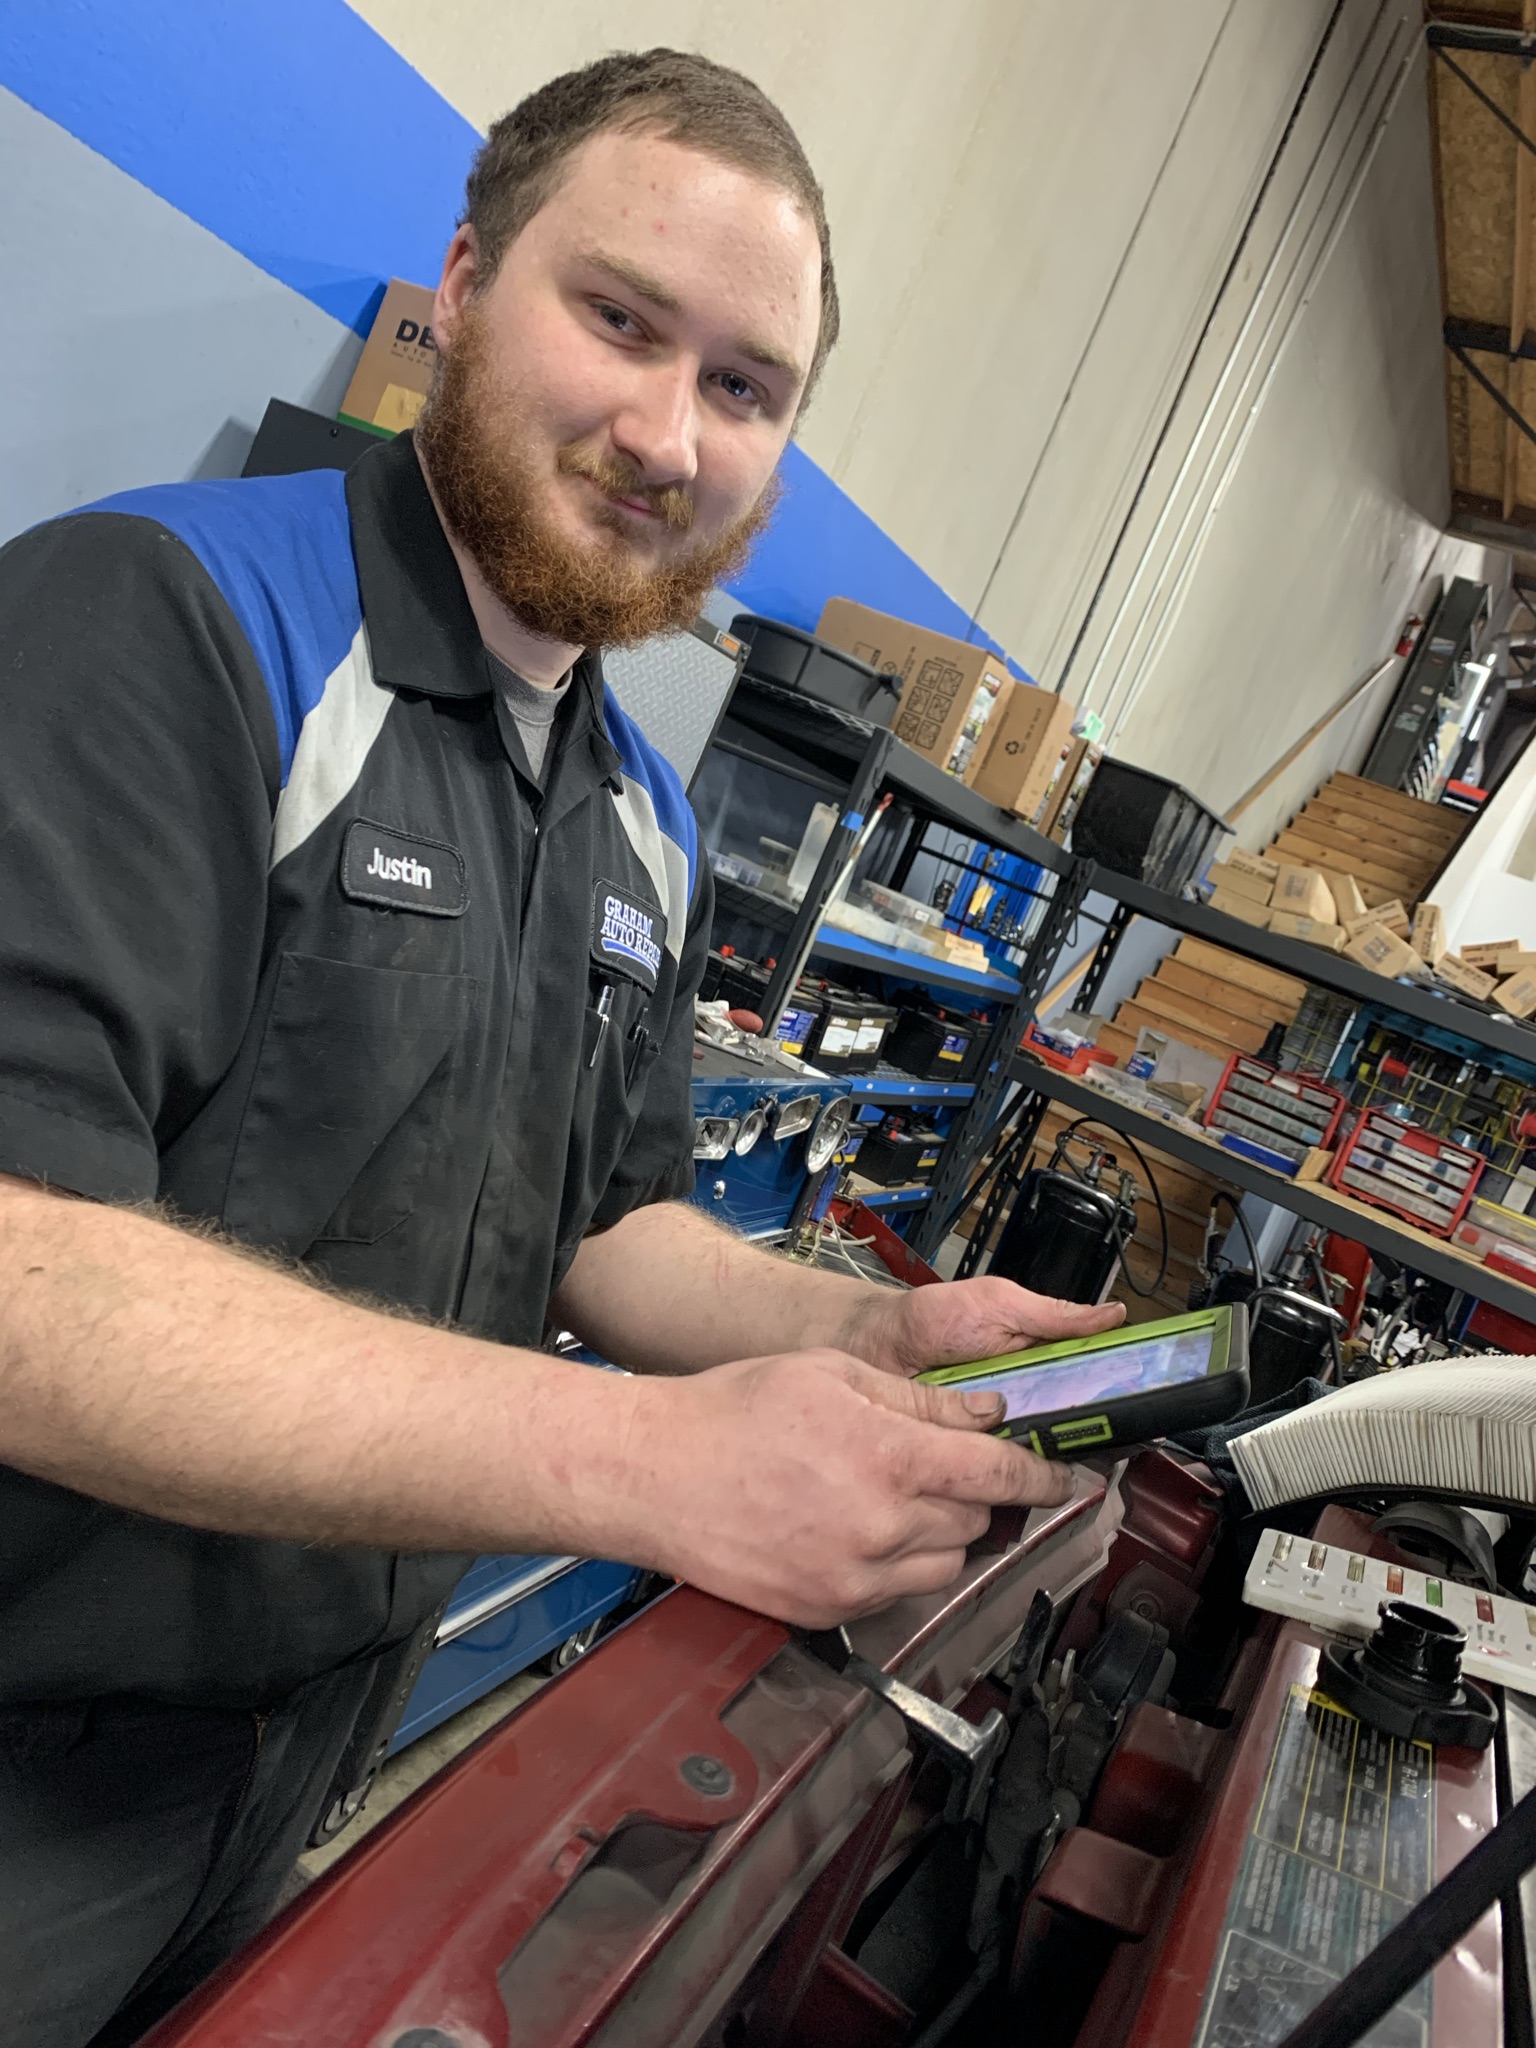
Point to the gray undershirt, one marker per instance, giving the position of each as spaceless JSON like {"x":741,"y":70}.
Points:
{"x":533,"y":711}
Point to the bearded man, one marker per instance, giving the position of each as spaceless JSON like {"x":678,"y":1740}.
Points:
{"x":348,"y":945}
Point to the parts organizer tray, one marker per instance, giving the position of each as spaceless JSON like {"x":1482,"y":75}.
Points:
{"x":1394,"y":1165}
{"x":1286,"y":1113}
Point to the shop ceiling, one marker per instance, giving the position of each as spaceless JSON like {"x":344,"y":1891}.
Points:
{"x":1482,"y":102}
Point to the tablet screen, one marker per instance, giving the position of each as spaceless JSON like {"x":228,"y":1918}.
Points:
{"x":1134,"y":1368}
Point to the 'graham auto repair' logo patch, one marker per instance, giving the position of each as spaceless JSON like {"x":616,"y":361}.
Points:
{"x":626,"y":933}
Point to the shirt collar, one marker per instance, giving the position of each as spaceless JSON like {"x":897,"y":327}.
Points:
{"x":422,"y":633}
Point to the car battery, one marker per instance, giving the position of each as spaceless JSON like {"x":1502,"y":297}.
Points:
{"x":933,"y":1045}
{"x":875,"y":1028}
{"x":1288,"y":1114}
{"x":897,"y":1156}
{"x":837,"y":1047}
{"x":743,"y":985}
{"x":800,"y":1023}
{"x":1397,"y":1166}
{"x":717,"y":964}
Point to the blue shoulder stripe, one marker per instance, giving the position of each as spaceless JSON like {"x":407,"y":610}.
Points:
{"x":279,"y":549}
{"x":656,"y":775}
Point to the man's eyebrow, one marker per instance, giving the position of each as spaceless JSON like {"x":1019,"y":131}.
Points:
{"x":651,"y":289}
{"x":640,"y":282}
{"x":771,"y":358}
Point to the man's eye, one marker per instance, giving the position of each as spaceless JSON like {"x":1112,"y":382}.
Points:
{"x":736,"y":386}
{"x":616,"y":318}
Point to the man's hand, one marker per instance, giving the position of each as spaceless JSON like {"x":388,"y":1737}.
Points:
{"x":813,"y":1488}
{"x":962,"y":1320}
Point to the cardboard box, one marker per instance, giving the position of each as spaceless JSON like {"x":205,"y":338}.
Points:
{"x":1244,"y":907}
{"x":1304,"y":892}
{"x":1078,"y":762}
{"x":1238,"y":881}
{"x":1286,"y":924}
{"x":1253,"y":864}
{"x":1316,"y":1163}
{"x":1021,"y":749}
{"x":1391,"y":914}
{"x":1428,"y":935}
{"x":1518,"y":994}
{"x":1487,"y":956}
{"x":1347,"y":900}
{"x":1383,"y":952}
{"x":394,"y":372}
{"x":1468,"y":981}
{"x":949,"y":687}
{"x":1516,"y":962}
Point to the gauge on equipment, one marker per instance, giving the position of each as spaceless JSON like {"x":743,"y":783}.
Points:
{"x":794,"y":1116}
{"x":713,"y":1136}
{"x":753,"y":1125}
{"x":826,"y":1140}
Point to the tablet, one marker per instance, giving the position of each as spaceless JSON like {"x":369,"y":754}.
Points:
{"x":1127,"y":1386}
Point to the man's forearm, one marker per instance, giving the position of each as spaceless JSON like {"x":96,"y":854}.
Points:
{"x":161,"y":1372}
{"x":668,"y":1290}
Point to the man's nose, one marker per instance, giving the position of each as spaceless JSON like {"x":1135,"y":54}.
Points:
{"x":658,"y":427}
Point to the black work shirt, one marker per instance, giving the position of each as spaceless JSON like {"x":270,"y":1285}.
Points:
{"x":290,"y":941}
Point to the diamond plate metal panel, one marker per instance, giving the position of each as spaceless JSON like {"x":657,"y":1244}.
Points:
{"x":675,"y":689}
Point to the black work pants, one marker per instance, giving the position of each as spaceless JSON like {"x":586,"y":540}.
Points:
{"x":141,"y":1844}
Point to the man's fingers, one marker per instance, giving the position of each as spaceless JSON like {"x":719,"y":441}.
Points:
{"x":944,"y":1524}
{"x":1041,"y":1318}
{"x":988,"y":1471}
{"x":950,"y":1407}
{"x":966,"y":1465}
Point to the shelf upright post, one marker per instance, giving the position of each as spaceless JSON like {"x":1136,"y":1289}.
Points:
{"x":973,"y":1125}
{"x":1121,"y":919}
{"x":796,"y":949}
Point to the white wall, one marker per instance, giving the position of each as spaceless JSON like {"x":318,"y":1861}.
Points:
{"x":1034,"y":209}
{"x":1489,"y":890}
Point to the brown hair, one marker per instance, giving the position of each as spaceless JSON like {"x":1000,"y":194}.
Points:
{"x":685,"y":98}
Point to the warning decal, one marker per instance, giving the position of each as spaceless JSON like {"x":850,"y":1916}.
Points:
{"x":1342,"y":1845}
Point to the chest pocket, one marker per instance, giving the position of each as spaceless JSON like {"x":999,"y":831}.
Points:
{"x":350,"y":1090}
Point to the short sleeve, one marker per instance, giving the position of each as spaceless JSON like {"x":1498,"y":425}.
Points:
{"x":138,"y":777}
{"x":657,"y":1165}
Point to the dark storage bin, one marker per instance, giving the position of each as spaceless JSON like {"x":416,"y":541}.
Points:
{"x":931,"y":1045}
{"x":896,"y":1158}
{"x":782,"y":654}
{"x":1144,"y":826}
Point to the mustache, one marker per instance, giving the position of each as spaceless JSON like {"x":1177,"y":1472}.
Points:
{"x":669,"y":502}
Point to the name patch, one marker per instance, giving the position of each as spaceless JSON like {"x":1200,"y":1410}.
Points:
{"x":627,"y":933}
{"x":399,"y":871}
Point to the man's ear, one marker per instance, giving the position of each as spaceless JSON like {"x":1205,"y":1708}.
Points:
{"x":455,"y":286}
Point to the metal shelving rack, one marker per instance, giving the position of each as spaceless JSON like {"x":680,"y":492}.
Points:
{"x":1494,"y":1031}
{"x":847,"y":760}
{"x":1491,"y":1029}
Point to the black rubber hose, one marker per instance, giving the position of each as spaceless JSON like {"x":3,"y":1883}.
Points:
{"x":1255,"y":1262}
{"x":1490,"y":1872}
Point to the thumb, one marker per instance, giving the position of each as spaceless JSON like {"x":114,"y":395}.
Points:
{"x":949,"y":1407}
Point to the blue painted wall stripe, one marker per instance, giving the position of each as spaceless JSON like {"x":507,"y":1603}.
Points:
{"x":821,"y":545}
{"x":304,"y":140}
{"x":291,"y":130}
